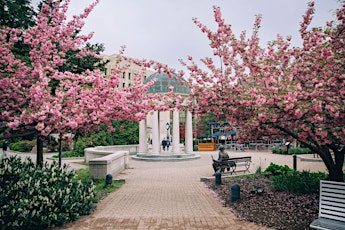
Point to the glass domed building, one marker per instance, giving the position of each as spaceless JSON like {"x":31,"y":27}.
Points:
{"x":163,"y":82}
{"x":162,"y":126}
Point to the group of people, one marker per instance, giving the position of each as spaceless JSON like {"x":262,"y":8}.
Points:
{"x":165,"y":144}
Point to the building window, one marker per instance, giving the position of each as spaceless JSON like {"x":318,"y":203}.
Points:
{"x":105,"y":71}
{"x":123,"y":85}
{"x":123,"y":75}
{"x":129,"y":76}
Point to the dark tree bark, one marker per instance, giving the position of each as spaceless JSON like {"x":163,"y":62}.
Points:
{"x":39,"y":155}
{"x":60,"y":150}
{"x":334,"y":164}
{"x":18,"y":135}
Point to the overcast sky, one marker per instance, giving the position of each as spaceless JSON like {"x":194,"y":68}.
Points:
{"x":163,"y":30}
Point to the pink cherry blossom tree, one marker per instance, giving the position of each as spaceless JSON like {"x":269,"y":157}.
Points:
{"x":280,"y":90}
{"x":78,"y":101}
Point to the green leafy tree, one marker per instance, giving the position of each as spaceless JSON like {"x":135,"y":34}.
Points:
{"x":89,"y":62}
{"x":203,"y":126}
{"x":126,"y":133}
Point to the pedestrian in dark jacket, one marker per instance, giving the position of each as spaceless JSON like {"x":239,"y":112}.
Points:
{"x":4,"y":149}
{"x":164,"y":144}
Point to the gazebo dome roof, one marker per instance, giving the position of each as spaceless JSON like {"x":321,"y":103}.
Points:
{"x":163,"y":83}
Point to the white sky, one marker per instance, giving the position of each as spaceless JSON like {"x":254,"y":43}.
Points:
{"x":163,"y":30}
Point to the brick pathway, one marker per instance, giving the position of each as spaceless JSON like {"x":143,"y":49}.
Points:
{"x":169,"y":195}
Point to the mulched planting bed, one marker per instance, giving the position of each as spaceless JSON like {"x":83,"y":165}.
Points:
{"x":278,"y":210}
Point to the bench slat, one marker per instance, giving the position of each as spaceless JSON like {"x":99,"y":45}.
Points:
{"x":241,"y":159}
{"x":332,"y":203}
{"x":333,"y":207}
{"x":338,"y":200}
{"x":330,"y":191}
{"x":332,"y":217}
{"x":336,"y":212}
{"x":325,"y":182}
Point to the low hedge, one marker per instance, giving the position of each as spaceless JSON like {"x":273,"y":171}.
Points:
{"x":296,"y":182}
{"x":68,"y":155}
{"x":22,"y":146}
{"x":292,"y":151}
{"x":274,"y":169}
{"x":41,"y":197}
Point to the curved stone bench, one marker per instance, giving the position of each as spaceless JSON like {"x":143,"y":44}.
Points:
{"x":105,"y":160}
{"x":113,"y":164}
{"x":100,"y":151}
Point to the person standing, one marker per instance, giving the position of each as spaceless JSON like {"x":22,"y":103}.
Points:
{"x":288,"y":144}
{"x":168,"y":145}
{"x":164,"y":144}
{"x":4,"y":149}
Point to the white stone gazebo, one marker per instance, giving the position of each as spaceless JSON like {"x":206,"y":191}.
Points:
{"x":160,"y":125}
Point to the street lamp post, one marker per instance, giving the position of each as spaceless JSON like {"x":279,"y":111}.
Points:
{"x":167,"y":127}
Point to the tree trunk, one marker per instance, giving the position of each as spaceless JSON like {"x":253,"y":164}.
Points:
{"x":334,"y":166}
{"x":60,"y":150}
{"x":39,"y":155}
{"x":336,"y":174}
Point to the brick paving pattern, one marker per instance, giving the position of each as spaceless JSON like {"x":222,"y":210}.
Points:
{"x":169,"y":195}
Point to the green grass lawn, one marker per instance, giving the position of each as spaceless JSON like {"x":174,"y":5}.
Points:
{"x":101,"y":189}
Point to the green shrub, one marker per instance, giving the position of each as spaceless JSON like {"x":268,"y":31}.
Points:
{"x":22,"y":146}
{"x":69,"y":154}
{"x":80,"y":145}
{"x":52,"y":144}
{"x":274,"y":169}
{"x":300,"y":151}
{"x":101,"y":189}
{"x":298,"y":182}
{"x":127,"y":133}
{"x":34,"y":197}
{"x":279,"y":151}
{"x":292,"y":151}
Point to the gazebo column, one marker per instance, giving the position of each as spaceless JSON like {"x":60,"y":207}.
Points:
{"x":188,"y":133}
{"x":176,"y":132}
{"x":142,"y":137}
{"x":155,"y":133}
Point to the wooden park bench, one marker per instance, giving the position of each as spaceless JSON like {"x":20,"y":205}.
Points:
{"x":233,"y":165}
{"x":331,"y":206}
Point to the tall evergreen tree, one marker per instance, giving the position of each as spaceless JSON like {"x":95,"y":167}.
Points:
{"x":16,"y":14}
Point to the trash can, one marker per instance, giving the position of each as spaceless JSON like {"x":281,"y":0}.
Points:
{"x":108,"y":179}
{"x":235,"y":192}
{"x":218,"y":178}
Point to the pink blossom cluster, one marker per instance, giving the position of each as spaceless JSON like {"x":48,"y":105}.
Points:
{"x":79,"y":101}
{"x":278,"y":90}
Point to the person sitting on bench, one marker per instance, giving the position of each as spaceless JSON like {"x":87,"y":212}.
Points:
{"x":222,"y":158}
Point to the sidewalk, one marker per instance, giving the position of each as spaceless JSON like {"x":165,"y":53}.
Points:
{"x":169,"y":195}
{"x":73,"y":163}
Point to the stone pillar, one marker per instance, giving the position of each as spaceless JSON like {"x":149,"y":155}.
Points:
{"x":188,"y":133}
{"x":176,"y":132}
{"x":155,"y":133}
{"x":142,"y":137}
